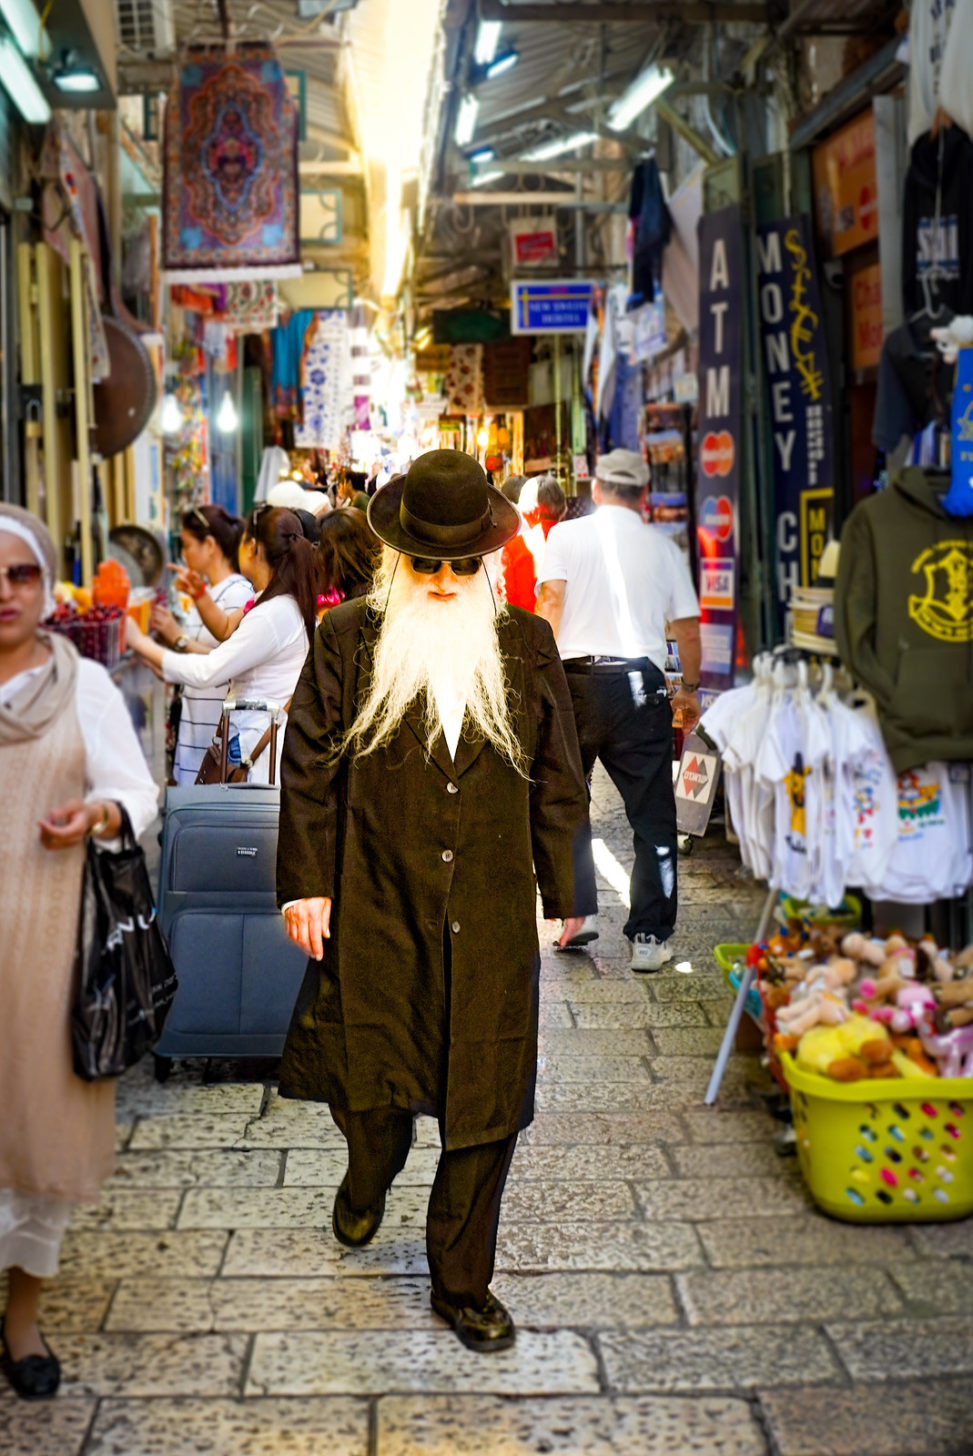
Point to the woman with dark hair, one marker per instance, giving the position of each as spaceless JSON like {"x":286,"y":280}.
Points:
{"x":264,"y":657}
{"x":220,"y":594}
{"x":348,"y":553}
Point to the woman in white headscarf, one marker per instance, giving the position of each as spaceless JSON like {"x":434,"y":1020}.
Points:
{"x":68,"y":757}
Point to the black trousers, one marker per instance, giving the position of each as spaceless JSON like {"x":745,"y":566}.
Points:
{"x":464,"y":1205}
{"x":624,"y":719}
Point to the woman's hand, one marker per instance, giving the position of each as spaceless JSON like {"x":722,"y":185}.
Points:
{"x":308,"y":924}
{"x":189,"y":581}
{"x":134,"y":636}
{"x":164,"y":625}
{"x":66,"y":826}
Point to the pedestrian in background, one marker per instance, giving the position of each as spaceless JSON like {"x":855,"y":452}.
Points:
{"x":609,"y":585}
{"x":542,"y":504}
{"x":430,"y":769}
{"x":348,"y":553}
{"x":68,"y":757}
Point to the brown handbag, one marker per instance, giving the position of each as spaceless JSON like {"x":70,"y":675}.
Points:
{"x":215,"y":767}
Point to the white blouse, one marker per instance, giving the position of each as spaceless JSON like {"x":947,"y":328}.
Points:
{"x":115,"y":766}
{"x":263,"y":659}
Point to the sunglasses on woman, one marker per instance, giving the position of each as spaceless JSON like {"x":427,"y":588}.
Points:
{"x":24,"y":573}
{"x":465,"y":566}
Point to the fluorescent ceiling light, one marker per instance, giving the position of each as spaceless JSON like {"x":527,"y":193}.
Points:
{"x":482,"y":154}
{"x":17,"y":79}
{"x":645,"y":89}
{"x":75,"y":77}
{"x":487,"y":36}
{"x":227,"y":419}
{"x":25,"y":26}
{"x":490,"y":176}
{"x":504,"y":62}
{"x":466,"y":120}
{"x":555,"y":148}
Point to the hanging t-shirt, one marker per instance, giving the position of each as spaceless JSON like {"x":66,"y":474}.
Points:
{"x":790,"y":759}
{"x":931,"y":859}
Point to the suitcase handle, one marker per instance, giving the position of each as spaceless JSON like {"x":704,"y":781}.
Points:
{"x":276,"y":710}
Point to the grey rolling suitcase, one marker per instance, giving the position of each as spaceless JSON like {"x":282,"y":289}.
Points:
{"x":239,"y":975}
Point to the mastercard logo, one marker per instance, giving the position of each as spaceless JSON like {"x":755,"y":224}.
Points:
{"x":717,"y":453}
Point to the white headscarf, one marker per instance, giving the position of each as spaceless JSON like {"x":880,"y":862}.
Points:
{"x":31,"y":530}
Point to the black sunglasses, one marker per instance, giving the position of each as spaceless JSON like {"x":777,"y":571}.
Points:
{"x":427,"y":566}
{"x":24,"y":573}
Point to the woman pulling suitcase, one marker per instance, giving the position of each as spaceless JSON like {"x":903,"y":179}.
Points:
{"x":264,"y":656}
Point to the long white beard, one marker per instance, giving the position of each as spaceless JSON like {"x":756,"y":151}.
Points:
{"x":426,"y":647}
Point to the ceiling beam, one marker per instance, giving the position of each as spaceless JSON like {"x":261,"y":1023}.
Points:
{"x":538,"y":199}
{"x":689,"y":12}
{"x":552,"y":165}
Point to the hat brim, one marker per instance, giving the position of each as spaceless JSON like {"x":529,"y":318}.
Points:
{"x":383,"y":517}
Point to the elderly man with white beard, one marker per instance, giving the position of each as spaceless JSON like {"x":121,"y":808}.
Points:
{"x":431,"y":770}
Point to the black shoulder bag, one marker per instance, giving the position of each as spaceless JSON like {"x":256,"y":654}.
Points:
{"x":124,"y":981}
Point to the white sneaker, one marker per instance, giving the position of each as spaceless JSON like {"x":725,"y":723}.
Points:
{"x":649,"y":954}
{"x":582,"y":937}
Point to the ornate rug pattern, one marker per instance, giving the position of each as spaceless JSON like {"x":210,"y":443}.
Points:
{"x":230,"y":187}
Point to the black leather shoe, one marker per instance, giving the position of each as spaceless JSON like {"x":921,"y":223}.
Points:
{"x":354,"y":1229}
{"x":35,"y":1377}
{"x":485,"y":1329}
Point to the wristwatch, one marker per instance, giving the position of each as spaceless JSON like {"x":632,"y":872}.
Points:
{"x":181,"y":643}
{"x":687,"y":687}
{"x":101,"y":823}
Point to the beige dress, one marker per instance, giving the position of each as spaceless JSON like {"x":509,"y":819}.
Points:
{"x":57,"y":1132}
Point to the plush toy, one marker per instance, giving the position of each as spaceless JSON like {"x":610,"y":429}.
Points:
{"x":856,"y":945}
{"x":953,"y":1051}
{"x":914,"y":1007}
{"x":820,"y":1008}
{"x":855,"y":1049}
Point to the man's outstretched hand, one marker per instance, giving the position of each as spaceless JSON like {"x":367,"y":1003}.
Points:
{"x":308,"y":924}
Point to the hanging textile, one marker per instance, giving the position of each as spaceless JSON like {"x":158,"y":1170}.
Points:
{"x":326,"y":383}
{"x":464,"y":380}
{"x":230,"y":183}
{"x":288,"y":342}
{"x":249,"y":307}
{"x":651,"y":227}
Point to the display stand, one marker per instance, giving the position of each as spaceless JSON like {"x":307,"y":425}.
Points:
{"x":736,"y":1013}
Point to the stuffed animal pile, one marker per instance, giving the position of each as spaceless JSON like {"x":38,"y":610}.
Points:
{"x":849,"y":1007}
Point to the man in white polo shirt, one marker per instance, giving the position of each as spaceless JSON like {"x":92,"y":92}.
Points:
{"x":608,"y":585}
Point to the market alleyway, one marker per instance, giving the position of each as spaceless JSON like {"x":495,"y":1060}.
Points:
{"x":673,"y":1288}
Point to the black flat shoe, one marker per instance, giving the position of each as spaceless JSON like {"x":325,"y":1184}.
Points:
{"x":35,"y":1377}
{"x":485,"y":1329}
{"x":354,"y":1229}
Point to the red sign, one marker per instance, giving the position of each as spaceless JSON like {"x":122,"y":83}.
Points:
{"x":717,"y":453}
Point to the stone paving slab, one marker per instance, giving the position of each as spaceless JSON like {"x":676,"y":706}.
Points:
{"x":904,"y":1418}
{"x":589,"y":1069}
{"x":687,"y":1041}
{"x":557,"y":1200}
{"x":732,"y":1160}
{"x":306,"y":1253}
{"x":259,"y":1305}
{"x":140,"y":1097}
{"x":722,"y":1125}
{"x":622,"y":1246}
{"x":707,"y":1198}
{"x":604,"y":1042}
{"x":608,"y":1129}
{"x":943,"y":1240}
{"x":308,"y":1427}
{"x":585,"y":1163}
{"x":130,"y":1208}
{"x":566,"y":1426}
{"x":434,"y":1361}
{"x":186,"y":1168}
{"x":189,"y":1131}
{"x":731,"y":1357}
{"x":628,"y":1014}
{"x":934,"y":1288}
{"x":768,"y":1296}
{"x":325,"y":1167}
{"x":114,"y":1254}
{"x":741,"y":1243}
{"x":72,"y":1303}
{"x":44,"y":1428}
{"x":131,"y":1364}
{"x":585,"y":1301}
{"x":907,"y":1347}
{"x":601,"y":1096}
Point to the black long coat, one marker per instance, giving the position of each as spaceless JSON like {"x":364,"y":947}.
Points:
{"x":414,"y":849}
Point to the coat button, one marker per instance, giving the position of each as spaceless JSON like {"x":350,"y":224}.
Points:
{"x":455,"y":927}
{"x":447,"y":855}
{"x":451,"y":789}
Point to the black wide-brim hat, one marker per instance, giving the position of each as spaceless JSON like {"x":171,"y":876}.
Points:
{"x":444,"y":507}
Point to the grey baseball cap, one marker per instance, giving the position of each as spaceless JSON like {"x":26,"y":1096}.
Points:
{"x":624,"y":469}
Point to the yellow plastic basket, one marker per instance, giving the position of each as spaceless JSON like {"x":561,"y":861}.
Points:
{"x":731,"y":957}
{"x":898,"y":1151}
{"x":848,"y":914}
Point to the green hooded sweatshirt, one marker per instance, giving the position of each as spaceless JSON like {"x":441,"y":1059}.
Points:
{"x":904,"y":618}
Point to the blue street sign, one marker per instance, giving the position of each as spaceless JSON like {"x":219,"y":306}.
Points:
{"x":553,"y":306}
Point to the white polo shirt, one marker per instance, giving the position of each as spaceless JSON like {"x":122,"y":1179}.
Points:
{"x":624,"y":581}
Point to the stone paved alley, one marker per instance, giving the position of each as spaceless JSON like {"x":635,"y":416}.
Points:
{"x":674,"y":1290}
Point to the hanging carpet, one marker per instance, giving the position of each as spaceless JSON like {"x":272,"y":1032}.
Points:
{"x":230,"y":186}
